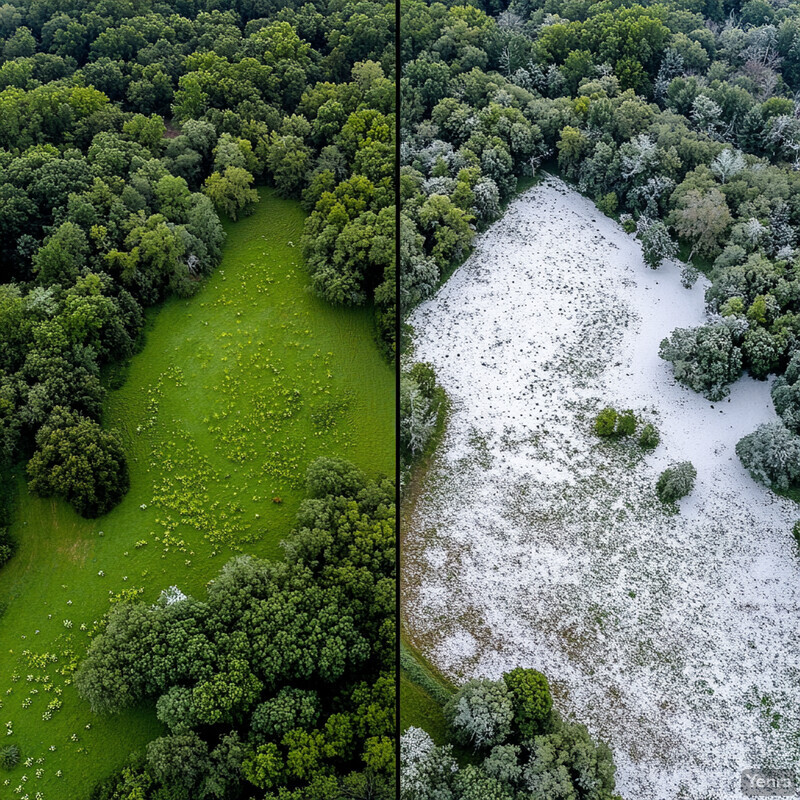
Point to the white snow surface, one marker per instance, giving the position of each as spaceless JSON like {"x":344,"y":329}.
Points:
{"x":675,"y":637}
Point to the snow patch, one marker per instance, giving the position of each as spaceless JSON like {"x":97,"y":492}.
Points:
{"x":533,"y":543}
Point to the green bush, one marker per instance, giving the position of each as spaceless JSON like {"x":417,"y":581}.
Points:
{"x":77,"y":460}
{"x":607,"y":203}
{"x":626,"y":423}
{"x":605,"y":423}
{"x":649,"y":438}
{"x":9,"y":757}
{"x":333,"y":476}
{"x":796,"y":531}
{"x":532,"y":701}
{"x":676,"y":481}
{"x":610,"y":422}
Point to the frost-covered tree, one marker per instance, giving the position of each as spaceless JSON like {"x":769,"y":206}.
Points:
{"x":676,"y":481}
{"x":782,"y":235}
{"x":503,"y":763}
{"x":648,"y":194}
{"x":702,"y":218}
{"x":639,"y":156}
{"x":762,"y":352}
{"x":497,"y":164}
{"x":480,"y":713}
{"x":706,"y":359}
{"x":762,"y":40}
{"x":417,"y":418}
{"x":600,"y":171}
{"x":419,"y":273}
{"x":749,"y":235}
{"x":783,"y":137}
{"x":689,"y":275}
{"x":728,"y":163}
{"x":671,"y":67}
{"x":657,"y":244}
{"x":771,"y":454}
{"x":473,"y":783}
{"x":170,"y":596}
{"x":440,"y":184}
{"x":706,"y":115}
{"x":487,"y":200}
{"x":426,"y":771}
{"x":786,"y":395}
{"x":753,"y":232}
{"x":569,"y":765}
{"x":555,"y":81}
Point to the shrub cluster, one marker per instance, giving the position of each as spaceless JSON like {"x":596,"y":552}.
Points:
{"x":612,"y":424}
{"x":676,"y":481}
{"x":522,"y":748}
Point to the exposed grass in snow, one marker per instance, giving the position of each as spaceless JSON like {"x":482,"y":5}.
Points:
{"x":236,"y":391}
{"x":531,"y":542}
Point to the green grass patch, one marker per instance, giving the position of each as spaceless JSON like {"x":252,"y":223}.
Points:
{"x":418,"y":709}
{"x":423,"y":694}
{"x":525,"y":182}
{"x":793,"y":493}
{"x":235,"y":392}
{"x":703,"y":264}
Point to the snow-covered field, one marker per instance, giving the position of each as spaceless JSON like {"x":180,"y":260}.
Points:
{"x":531,"y":542}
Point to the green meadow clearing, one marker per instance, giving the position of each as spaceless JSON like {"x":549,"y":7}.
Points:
{"x":235,"y":391}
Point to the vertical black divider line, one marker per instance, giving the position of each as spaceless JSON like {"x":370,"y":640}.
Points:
{"x":397,"y":76}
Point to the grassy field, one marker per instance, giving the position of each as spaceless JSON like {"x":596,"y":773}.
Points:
{"x":235,"y":392}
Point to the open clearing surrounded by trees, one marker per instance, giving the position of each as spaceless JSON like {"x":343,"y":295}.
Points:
{"x":237,"y":390}
{"x":536,"y":543}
